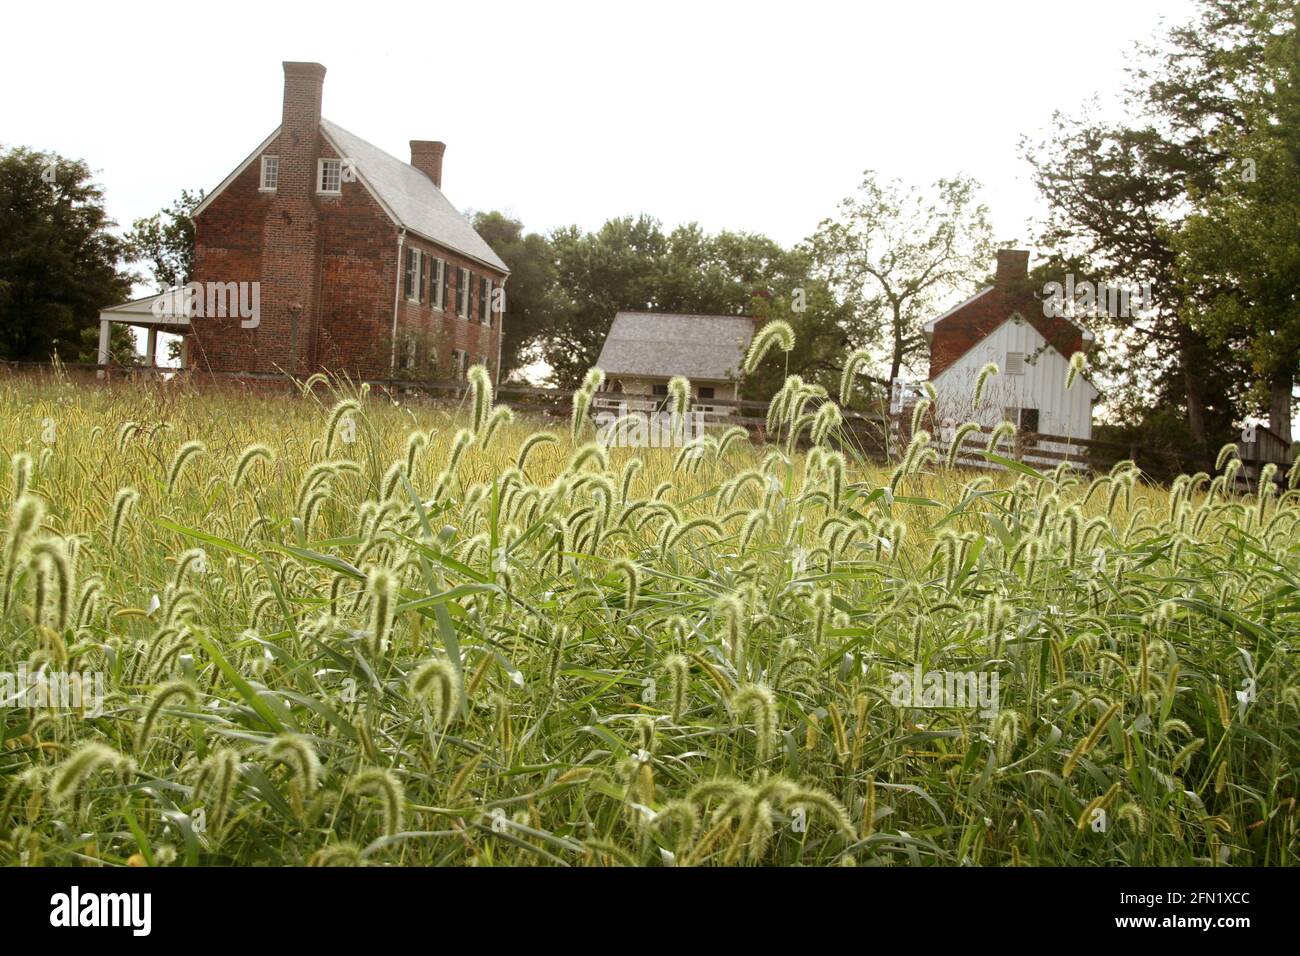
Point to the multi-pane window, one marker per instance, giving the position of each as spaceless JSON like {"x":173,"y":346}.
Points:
{"x":412,"y":281}
{"x":270,"y":172}
{"x":459,"y":362}
{"x":462,"y":289}
{"x":445,"y":302}
{"x":412,"y":349}
{"x":437,"y":278}
{"x":485,"y":300}
{"x":330,"y":176}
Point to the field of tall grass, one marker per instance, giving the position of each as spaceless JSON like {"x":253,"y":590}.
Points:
{"x":336,"y":627}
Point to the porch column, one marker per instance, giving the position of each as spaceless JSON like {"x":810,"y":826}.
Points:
{"x":151,"y":345}
{"x":105,"y":331}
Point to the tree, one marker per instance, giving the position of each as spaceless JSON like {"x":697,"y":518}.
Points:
{"x":165,"y":241}
{"x":1118,"y":193}
{"x":632,"y":264}
{"x":894,"y":254}
{"x":58,"y":259}
{"x":597,"y":274}
{"x":529,"y":290}
{"x":1238,"y":253}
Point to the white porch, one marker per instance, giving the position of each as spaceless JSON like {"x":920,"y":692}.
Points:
{"x":160,"y":312}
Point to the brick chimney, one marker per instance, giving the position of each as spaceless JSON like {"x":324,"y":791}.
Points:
{"x":302,"y":93}
{"x":290,"y":234}
{"x":426,"y":156}
{"x":1013,"y":268}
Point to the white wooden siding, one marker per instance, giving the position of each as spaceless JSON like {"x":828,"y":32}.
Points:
{"x":1040,"y":386}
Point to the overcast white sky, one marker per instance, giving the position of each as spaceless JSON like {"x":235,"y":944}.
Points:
{"x":743,"y":115}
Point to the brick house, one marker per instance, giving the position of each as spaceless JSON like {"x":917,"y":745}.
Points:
{"x":1006,"y":323}
{"x":364,"y":265}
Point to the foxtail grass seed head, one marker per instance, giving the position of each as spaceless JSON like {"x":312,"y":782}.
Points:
{"x":123,"y":504}
{"x":480,"y":386}
{"x":852,"y":365}
{"x":985,"y":373}
{"x":437,"y":682}
{"x":21,"y":463}
{"x":171,"y":691}
{"x":184,"y":455}
{"x":382,"y":588}
{"x":758,"y":703}
{"x":71,"y":776}
{"x":919,"y":411}
{"x":384,"y":785}
{"x":297,"y":753}
{"x":249,"y":457}
{"x":679,"y":394}
{"x":776,"y":334}
{"x":1077,"y":362}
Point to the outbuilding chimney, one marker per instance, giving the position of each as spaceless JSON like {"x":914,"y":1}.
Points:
{"x":1013,"y":268}
{"x":426,"y":156}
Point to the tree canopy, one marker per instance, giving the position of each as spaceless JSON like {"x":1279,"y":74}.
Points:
{"x":58,"y":258}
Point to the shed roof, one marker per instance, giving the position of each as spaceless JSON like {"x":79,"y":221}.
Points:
{"x":661,"y":345}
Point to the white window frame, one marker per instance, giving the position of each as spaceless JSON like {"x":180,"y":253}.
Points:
{"x":485,"y":306}
{"x":436,"y":275}
{"x":271,"y":163}
{"x":1019,"y":364}
{"x":413,"y":256}
{"x":463,"y":278}
{"x":321,"y":165}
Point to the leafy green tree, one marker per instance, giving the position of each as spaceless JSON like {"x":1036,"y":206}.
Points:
{"x":530,"y":289}
{"x":1117,"y":194}
{"x":165,"y":241}
{"x":632,"y":264}
{"x":895,"y":254}
{"x":1239,"y":251}
{"x":58,"y":258}
{"x":597,"y":274}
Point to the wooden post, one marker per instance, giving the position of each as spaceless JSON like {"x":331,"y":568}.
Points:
{"x":105,"y":334}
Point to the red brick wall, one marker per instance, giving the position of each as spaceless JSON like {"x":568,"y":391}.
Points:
{"x":443,"y":330}
{"x":1012,"y":292}
{"x":328,"y":267}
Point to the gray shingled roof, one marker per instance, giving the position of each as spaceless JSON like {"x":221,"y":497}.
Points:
{"x":660,"y":345}
{"x":412,"y":197}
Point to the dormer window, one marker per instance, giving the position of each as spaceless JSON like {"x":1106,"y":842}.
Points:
{"x":329,"y":176}
{"x":270,"y":173}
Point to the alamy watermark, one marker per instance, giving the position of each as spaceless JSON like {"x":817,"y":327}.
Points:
{"x":1086,"y":299}
{"x":211,"y":300}
{"x":53,"y":690}
{"x":630,"y":428}
{"x":945,"y":689}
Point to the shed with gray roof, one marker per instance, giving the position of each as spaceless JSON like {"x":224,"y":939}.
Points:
{"x":643,"y":350}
